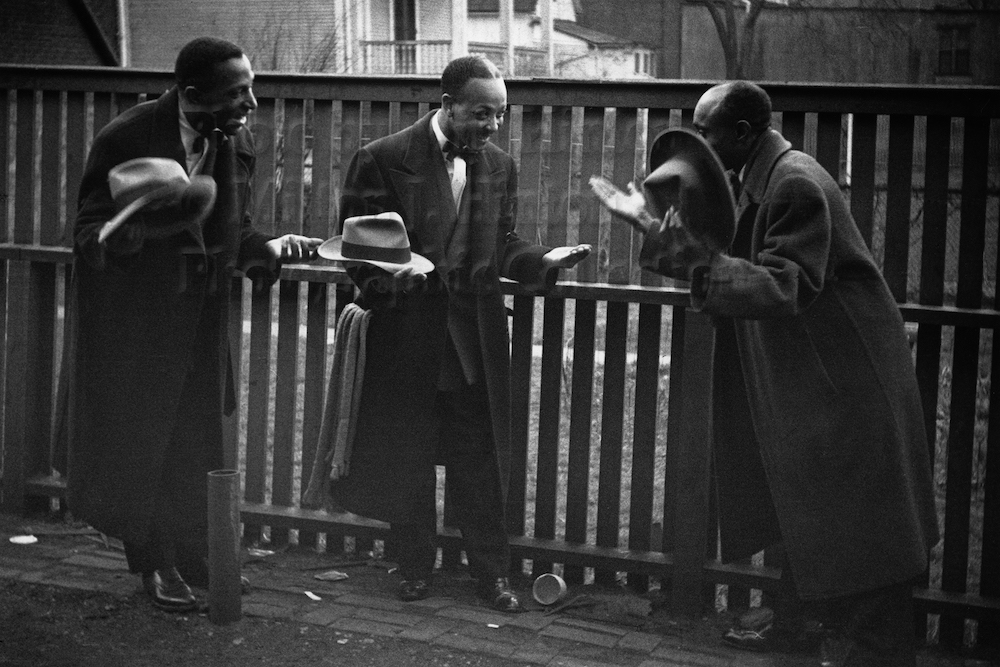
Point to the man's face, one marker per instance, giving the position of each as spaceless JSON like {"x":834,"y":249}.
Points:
{"x":232,"y":99}
{"x":476,"y":115}
{"x":720,"y":135}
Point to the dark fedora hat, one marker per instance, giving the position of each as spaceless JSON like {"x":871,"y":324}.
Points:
{"x":158,"y":184}
{"x":685,"y":173}
{"x":379,"y":240}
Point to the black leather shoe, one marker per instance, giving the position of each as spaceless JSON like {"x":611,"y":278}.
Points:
{"x":168,"y":591}
{"x":500,"y":595}
{"x":411,"y":590}
{"x":777,"y":637}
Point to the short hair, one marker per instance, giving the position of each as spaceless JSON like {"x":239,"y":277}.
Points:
{"x":197,"y":63}
{"x":460,"y":70}
{"x":742,"y":100}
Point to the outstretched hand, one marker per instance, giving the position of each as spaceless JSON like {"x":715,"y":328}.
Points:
{"x":629,"y":205}
{"x":566,"y":257}
{"x":294,"y":248}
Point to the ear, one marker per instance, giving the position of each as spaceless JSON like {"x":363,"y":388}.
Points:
{"x":448,"y":104}
{"x":192,"y":95}
{"x":743,"y":130}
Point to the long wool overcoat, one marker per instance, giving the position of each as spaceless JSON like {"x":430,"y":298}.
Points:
{"x":139,"y":320}
{"x":395,"y":444}
{"x":818,"y":425}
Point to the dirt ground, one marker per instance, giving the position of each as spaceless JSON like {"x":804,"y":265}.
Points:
{"x":43,"y":626}
{"x":48,"y":626}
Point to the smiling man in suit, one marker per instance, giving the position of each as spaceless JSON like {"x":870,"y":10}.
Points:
{"x":436,"y":386}
{"x":152,"y":376}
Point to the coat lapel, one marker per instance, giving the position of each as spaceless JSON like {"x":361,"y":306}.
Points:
{"x":425,"y":192}
{"x":165,"y":131}
{"x":487,"y":180}
{"x":756,"y":176}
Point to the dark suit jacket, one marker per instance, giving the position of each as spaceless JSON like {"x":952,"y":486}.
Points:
{"x":140,"y":318}
{"x":395,"y":445}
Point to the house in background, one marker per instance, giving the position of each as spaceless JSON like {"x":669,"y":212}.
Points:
{"x":60,"y":32}
{"x":524,"y":37}
{"x":841,"y":41}
{"x":857,"y":41}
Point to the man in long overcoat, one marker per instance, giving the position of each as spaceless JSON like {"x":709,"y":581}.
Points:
{"x":818,"y":428}
{"x":152,"y":375}
{"x":436,"y":379}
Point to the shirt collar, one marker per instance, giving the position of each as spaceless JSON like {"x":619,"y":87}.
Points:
{"x":438,"y":132}
{"x":757,"y":170}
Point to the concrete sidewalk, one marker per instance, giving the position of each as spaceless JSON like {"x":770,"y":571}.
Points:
{"x":620,"y":629}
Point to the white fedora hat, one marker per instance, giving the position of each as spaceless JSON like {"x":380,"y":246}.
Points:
{"x":153,"y":183}
{"x":379,"y":240}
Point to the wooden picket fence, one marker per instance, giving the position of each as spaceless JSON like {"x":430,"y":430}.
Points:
{"x":609,"y":371}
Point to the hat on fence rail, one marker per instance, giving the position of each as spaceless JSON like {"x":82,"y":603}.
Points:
{"x":379,"y":240}
{"x":685,"y":173}
{"x":155,"y":184}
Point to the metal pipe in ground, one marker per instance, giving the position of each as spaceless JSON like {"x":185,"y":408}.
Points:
{"x":224,"y":605}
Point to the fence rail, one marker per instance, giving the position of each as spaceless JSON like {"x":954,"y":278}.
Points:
{"x":609,"y":371}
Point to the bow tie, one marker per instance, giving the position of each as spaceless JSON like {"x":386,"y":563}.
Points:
{"x":218,"y":136}
{"x":451,"y":151}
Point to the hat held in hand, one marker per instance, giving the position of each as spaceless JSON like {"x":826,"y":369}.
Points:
{"x":379,"y":240}
{"x":158,"y":185}
{"x":685,"y":173}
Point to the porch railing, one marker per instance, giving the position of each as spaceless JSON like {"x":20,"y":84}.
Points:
{"x":406,"y":56}
{"x":609,"y":371}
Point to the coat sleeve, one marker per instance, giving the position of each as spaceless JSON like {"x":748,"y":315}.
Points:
{"x":365,"y":190}
{"x":788,"y":272}
{"x":95,"y":206}
{"x":254,"y":260}
{"x":519,"y":259}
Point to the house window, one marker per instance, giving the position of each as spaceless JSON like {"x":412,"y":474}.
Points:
{"x":953,"y":50}
{"x":643,"y":63}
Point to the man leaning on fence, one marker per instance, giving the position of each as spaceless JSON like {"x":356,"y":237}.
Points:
{"x":436,"y":379}
{"x":818,"y":430}
{"x":164,"y":220}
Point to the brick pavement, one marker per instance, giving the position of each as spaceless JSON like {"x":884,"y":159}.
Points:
{"x":364,"y":604}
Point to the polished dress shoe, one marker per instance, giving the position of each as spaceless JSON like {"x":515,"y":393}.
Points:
{"x":411,"y":590}
{"x":499,"y":594}
{"x":168,"y":591}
